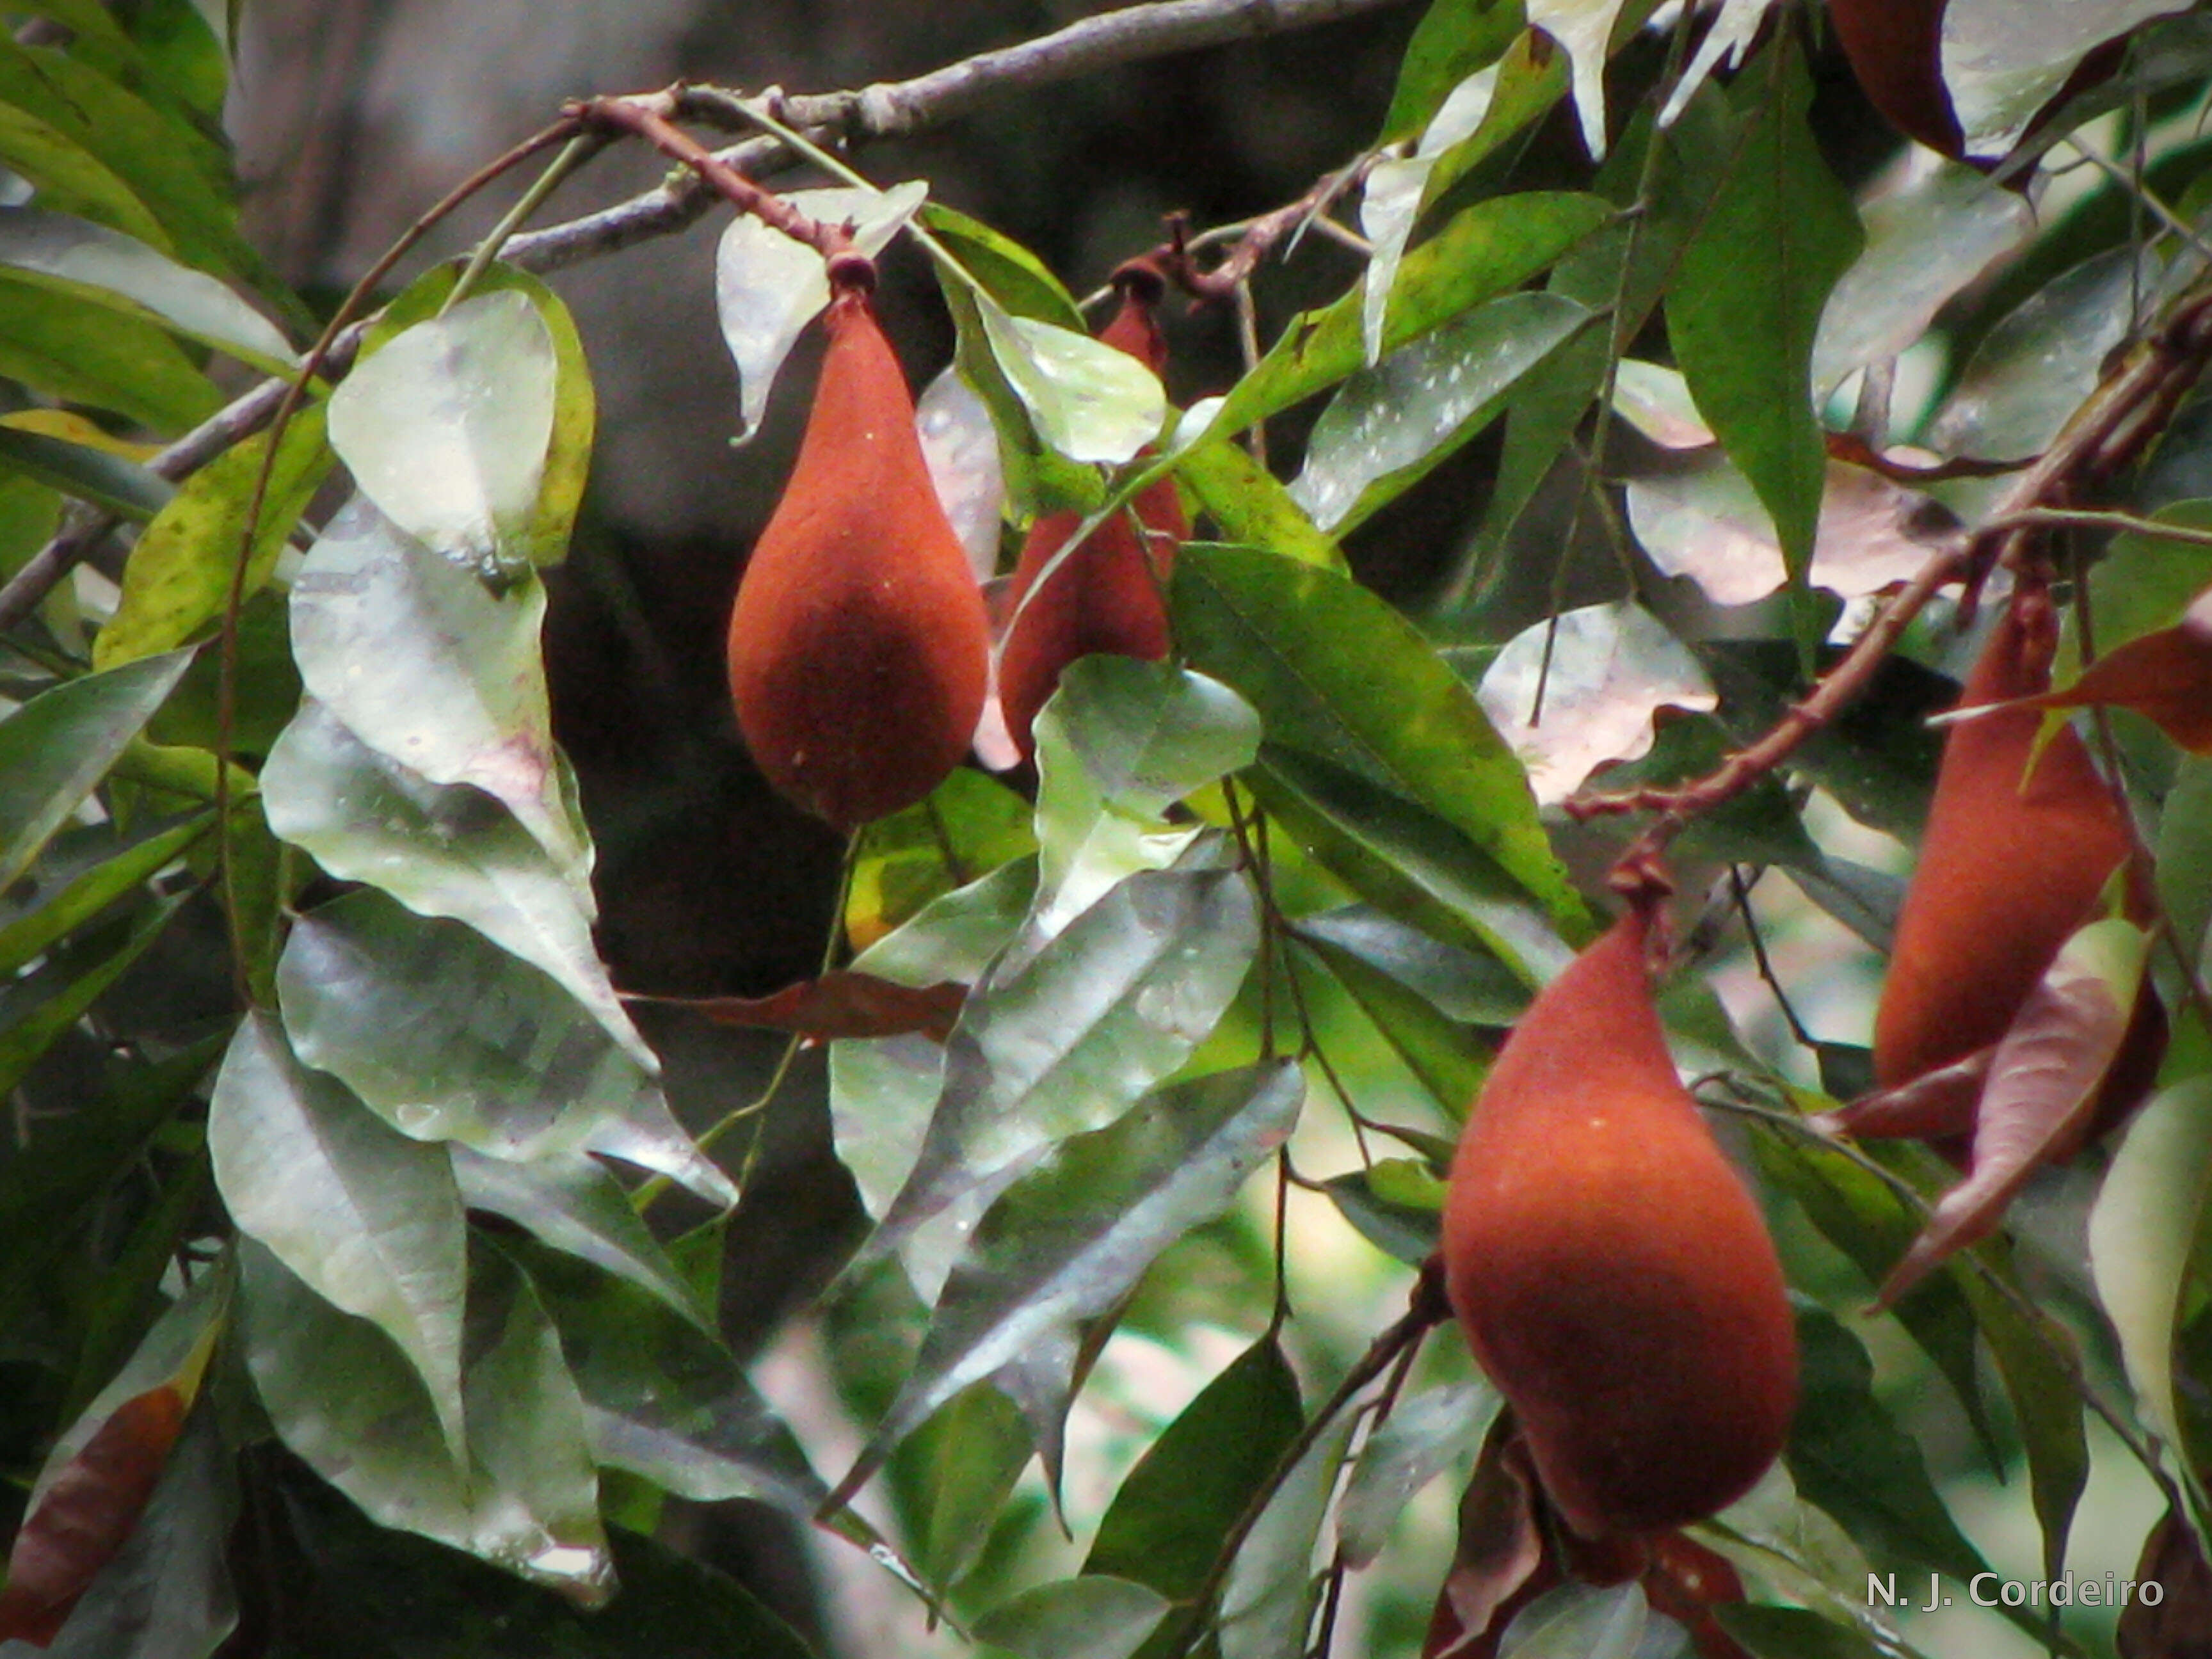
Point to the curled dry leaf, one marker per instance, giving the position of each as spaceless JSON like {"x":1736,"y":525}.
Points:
{"x":1611,"y":667}
{"x":1935,"y":1105}
{"x":2046,"y":1079}
{"x":839,"y":1005}
{"x":1500,"y":1564}
{"x":86,"y":1513}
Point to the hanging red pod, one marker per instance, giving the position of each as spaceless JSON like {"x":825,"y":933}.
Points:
{"x":1105,"y":596}
{"x":858,"y":647}
{"x":2018,"y":848}
{"x":1613,"y":1273}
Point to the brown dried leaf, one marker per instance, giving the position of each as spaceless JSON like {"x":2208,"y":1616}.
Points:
{"x":2044,"y":1085}
{"x":86,"y":1514}
{"x":840,"y":1004}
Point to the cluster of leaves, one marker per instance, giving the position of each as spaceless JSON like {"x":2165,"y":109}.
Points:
{"x":369,"y":1265}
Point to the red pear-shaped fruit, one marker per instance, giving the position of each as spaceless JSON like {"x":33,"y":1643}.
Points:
{"x":1613,"y":1275}
{"x":1105,"y":596}
{"x":859,"y":646}
{"x":2018,"y":849}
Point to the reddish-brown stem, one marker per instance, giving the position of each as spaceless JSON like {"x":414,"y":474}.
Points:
{"x":1176,"y":258}
{"x":1835,"y":692}
{"x":638,"y":118}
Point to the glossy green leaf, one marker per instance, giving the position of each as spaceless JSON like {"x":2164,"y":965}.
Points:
{"x":104,"y":265}
{"x":1579,"y":1621}
{"x":1038,"y":479}
{"x":83,"y":351}
{"x":1091,"y":401}
{"x":1742,"y":329}
{"x":66,"y":177}
{"x":959,"y":1467}
{"x":1170,"y":1516}
{"x":1389,"y":427}
{"x":424,"y":663}
{"x":903,"y":866}
{"x":1424,"y":1436}
{"x":1015,"y":278}
{"x":1370,"y":1199}
{"x":1481,"y":252}
{"x":448,"y":1038}
{"x":1068,"y":1239}
{"x":1453,"y":39}
{"x":448,"y":427}
{"x":1339,"y":675}
{"x":1585,"y":30}
{"x":451,"y":851}
{"x":2184,"y":852}
{"x":664,"y":1399}
{"x":344,"y":1398}
{"x":1118,"y":744}
{"x":1063,"y":1039}
{"x":1250,"y":505}
{"x":570,"y":1202}
{"x":1449,"y":1060}
{"x":366,"y":1218}
{"x":179,"y":579}
{"x":110,"y":481}
{"x":55,"y":749}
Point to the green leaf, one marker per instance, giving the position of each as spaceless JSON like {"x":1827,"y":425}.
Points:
{"x":1015,"y":278}
{"x":959,"y":1467}
{"x":451,"y":851}
{"x":542,"y":536}
{"x":664,"y":1399}
{"x":55,"y":749}
{"x":81,"y":351}
{"x":1339,"y":676}
{"x":179,"y":579}
{"x":365,"y":1217}
{"x":1424,"y":1436}
{"x":2141,"y":1231}
{"x":425,"y":664}
{"x":110,"y":481}
{"x":1267,"y":1604}
{"x":1368,"y":1199}
{"x":1742,"y":329}
{"x":1849,"y":1457}
{"x":1118,"y":744}
{"x":1453,"y":39}
{"x":1170,"y":1518}
{"x":1061,"y":1039}
{"x":1091,"y":401}
{"x":1579,"y":1621}
{"x":446,"y":429}
{"x":903,"y":865}
{"x":447,"y":1037}
{"x":1249,"y":504}
{"x":1389,"y":427}
{"x":65,"y":176}
{"x":1038,"y":478}
{"x":1066,"y":1241}
{"x":1449,"y":1059}
{"x":572,"y":1203}
{"x":104,"y":265}
{"x":2184,"y":851}
{"x":1481,"y":252}
{"x":344,"y":1398}
{"x":1092,"y":1617}
{"x":175,"y":171}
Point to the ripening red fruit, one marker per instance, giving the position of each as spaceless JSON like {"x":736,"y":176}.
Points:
{"x":1103,"y":598}
{"x":1613,"y":1275}
{"x":2018,"y":849}
{"x":859,"y":648}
